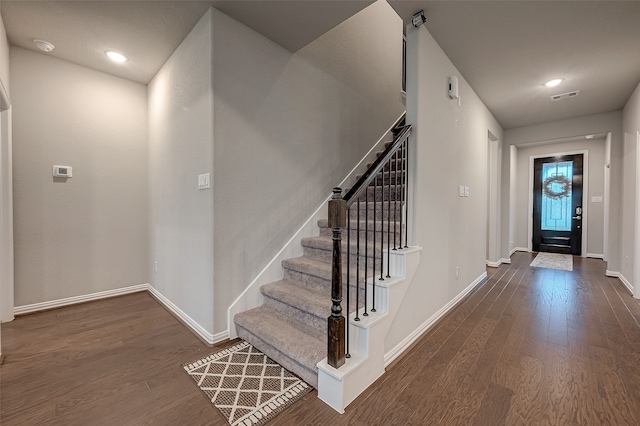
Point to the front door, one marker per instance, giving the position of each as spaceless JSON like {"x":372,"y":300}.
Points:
{"x":557,"y":204}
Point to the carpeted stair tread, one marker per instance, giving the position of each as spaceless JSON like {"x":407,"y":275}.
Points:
{"x":353,"y":225}
{"x":397,"y":164}
{"x":326,"y":243}
{"x":316,"y":268}
{"x":386,"y":175}
{"x":293,"y":345}
{"x":299,"y":297}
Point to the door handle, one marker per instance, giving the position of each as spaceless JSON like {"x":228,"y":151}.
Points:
{"x":577,"y":217}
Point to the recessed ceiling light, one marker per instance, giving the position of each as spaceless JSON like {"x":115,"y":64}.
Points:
{"x":115,"y":56}
{"x":590,"y":136}
{"x":554,"y":82}
{"x":45,"y":46}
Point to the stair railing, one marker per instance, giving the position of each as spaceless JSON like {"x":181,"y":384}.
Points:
{"x":390,"y":169}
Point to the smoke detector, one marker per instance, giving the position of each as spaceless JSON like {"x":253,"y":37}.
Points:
{"x":45,"y":46}
{"x":565,"y":95}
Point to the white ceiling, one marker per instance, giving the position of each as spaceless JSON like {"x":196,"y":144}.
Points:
{"x":149,"y":31}
{"x":505,"y":49}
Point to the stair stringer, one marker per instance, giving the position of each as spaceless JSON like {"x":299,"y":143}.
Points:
{"x":339,"y":387}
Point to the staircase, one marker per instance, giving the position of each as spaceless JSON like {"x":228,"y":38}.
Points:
{"x":291,"y":325}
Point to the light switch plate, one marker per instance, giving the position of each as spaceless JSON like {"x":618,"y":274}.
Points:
{"x":204,"y":181}
{"x":62,"y":171}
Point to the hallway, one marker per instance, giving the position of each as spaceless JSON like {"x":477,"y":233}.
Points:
{"x":528,"y":346}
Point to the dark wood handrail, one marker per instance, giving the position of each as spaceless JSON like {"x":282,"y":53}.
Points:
{"x":364,"y":181}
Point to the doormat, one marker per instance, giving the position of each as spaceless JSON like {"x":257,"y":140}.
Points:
{"x":563,"y":262}
{"x":245,"y":385}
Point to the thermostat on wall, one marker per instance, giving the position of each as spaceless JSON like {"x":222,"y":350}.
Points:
{"x":62,"y":171}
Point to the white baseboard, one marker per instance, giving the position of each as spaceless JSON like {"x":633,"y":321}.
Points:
{"x":626,"y":283}
{"x":390,"y":356}
{"x":186,"y":319}
{"x":498,"y":263}
{"x":595,"y":256}
{"x":58,"y":303}
{"x":513,"y":250}
{"x":622,"y":279}
{"x":520,"y":249}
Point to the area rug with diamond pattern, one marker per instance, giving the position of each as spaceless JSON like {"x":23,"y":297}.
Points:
{"x":245,"y":385}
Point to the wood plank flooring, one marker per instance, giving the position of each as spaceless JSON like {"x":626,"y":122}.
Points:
{"x":111,"y":362}
{"x":528,"y":346}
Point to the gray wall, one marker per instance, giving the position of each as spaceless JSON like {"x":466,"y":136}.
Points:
{"x":87,"y":234}
{"x":4,"y":56}
{"x":594,"y":211}
{"x":288,"y":127}
{"x":277,"y":130}
{"x":6,"y":225}
{"x":181,"y":148}
{"x":449,"y":148}
{"x":631,"y":215}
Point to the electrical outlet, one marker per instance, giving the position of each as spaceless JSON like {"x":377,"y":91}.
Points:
{"x":457,"y":272}
{"x":155,"y":266}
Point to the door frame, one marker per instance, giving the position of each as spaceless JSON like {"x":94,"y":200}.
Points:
{"x":6,"y":210}
{"x":585,"y":195}
{"x":635,"y":288}
{"x":494,"y":174}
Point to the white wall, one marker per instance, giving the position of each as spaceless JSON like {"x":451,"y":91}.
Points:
{"x":593,"y":124}
{"x":4,"y":56}
{"x":6,"y":196}
{"x":594,"y":211}
{"x":288,"y":127}
{"x":511,"y":185}
{"x":180,"y":148}
{"x":448,"y":149}
{"x":89,"y":233}
{"x":631,"y":216}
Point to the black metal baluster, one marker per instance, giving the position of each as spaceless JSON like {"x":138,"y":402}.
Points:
{"x":373,"y":275}
{"x":348,"y":355}
{"x":401,"y":192}
{"x":366,"y":248}
{"x":381,"y":225}
{"x":406,"y":189}
{"x":388,"y":216}
{"x":395,"y":198}
{"x":357,"y":318}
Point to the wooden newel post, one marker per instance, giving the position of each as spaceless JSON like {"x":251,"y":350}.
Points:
{"x":336,"y":322}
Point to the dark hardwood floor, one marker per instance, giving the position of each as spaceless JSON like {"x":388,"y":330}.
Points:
{"x":528,"y":346}
{"x":111,"y":362}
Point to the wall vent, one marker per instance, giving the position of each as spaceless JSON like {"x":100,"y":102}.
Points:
{"x":565,"y":95}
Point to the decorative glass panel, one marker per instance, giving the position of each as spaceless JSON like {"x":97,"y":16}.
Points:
{"x":556,"y":196}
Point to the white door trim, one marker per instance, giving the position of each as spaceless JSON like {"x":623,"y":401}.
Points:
{"x":636,"y":260}
{"x":6,"y":209}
